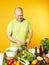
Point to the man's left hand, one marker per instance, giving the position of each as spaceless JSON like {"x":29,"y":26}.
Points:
{"x":28,"y":41}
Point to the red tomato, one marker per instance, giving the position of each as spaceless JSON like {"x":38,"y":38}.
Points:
{"x":10,"y":62}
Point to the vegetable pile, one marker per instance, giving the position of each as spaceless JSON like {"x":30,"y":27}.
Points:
{"x":11,"y":62}
{"x":45,"y":43}
{"x":27,"y":56}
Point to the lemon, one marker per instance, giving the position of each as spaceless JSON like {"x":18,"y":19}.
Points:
{"x":34,"y":62}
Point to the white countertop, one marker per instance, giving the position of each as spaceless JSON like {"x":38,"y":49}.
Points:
{"x":1,"y":58}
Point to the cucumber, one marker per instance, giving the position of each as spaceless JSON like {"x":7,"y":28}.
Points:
{"x":5,"y":62}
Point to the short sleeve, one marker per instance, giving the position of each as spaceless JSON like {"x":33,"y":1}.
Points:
{"x":9,"y":27}
{"x":30,"y":28}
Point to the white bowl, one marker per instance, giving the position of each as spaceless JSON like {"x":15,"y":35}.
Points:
{"x":12,"y":51}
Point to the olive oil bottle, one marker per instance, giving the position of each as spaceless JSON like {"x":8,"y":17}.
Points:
{"x":40,"y":51}
{"x":36,"y":53}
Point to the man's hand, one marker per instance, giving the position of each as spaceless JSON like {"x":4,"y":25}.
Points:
{"x":29,"y":37}
{"x":13,"y":39}
{"x":28,"y":41}
{"x":19,"y":43}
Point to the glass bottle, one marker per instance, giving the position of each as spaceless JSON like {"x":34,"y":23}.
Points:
{"x":40,"y":51}
{"x":36,"y":53}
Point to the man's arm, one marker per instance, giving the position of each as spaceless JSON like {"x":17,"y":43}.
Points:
{"x":9,"y":36}
{"x":45,"y":58}
{"x":29,"y":37}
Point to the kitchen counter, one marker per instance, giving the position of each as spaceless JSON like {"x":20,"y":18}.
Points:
{"x":1,"y":58}
{"x":40,"y":64}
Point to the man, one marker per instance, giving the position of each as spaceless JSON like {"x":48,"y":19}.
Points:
{"x":18,"y":30}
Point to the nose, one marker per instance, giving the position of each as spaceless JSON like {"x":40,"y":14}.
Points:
{"x":19,"y":17}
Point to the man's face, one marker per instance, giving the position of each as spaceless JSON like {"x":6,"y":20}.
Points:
{"x":19,"y":15}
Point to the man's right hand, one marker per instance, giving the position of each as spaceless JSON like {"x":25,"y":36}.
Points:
{"x":13,"y":39}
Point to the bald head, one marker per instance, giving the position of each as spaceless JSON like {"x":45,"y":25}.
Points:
{"x":19,"y":14}
{"x":18,"y":8}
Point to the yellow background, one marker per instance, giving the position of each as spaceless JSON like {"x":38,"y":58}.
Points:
{"x":36,"y":11}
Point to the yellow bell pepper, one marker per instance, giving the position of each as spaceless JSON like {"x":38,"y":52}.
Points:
{"x":34,"y":62}
{"x":18,"y":63}
{"x":15,"y":63}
